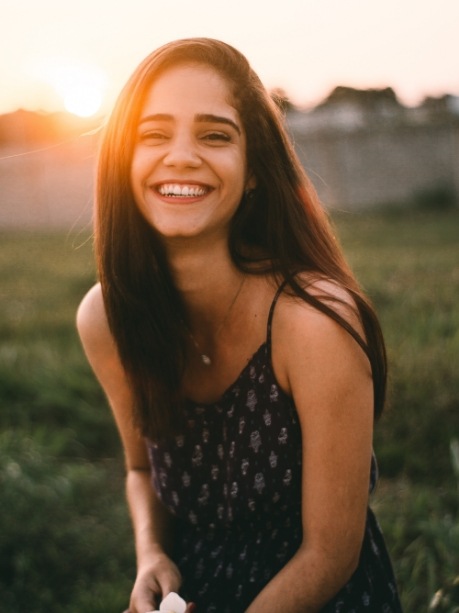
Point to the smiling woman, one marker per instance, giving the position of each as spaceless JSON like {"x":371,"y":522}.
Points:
{"x":242,"y":362}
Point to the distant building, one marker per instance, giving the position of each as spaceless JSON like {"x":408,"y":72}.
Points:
{"x":346,"y":108}
{"x":438,"y":108}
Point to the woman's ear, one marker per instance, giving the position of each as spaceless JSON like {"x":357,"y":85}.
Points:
{"x":251,"y":182}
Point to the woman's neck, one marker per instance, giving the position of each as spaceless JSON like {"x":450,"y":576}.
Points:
{"x":206,"y":277}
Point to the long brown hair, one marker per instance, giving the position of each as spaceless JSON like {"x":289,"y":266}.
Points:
{"x":282,"y":220}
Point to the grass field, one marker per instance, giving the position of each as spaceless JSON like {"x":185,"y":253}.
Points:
{"x":67,"y":547}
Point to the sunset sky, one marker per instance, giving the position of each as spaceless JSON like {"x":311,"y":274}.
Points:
{"x":55,"y":53}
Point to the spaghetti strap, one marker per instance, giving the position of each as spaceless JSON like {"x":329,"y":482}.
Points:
{"x":279,"y":291}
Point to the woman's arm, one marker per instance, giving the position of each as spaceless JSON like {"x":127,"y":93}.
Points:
{"x":329,"y":377}
{"x":156,"y":573}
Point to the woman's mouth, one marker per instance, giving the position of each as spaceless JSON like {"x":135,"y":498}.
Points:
{"x":178,"y":190}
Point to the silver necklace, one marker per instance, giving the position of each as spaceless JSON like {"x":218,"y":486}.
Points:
{"x":205,"y":358}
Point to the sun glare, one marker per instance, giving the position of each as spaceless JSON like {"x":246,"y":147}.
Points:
{"x":80,"y":87}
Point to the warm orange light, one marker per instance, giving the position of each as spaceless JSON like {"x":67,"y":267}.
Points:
{"x":79,"y":86}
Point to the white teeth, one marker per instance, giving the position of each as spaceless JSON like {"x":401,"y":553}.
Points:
{"x":190,"y":191}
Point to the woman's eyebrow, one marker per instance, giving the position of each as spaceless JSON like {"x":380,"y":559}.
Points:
{"x":156,"y":117}
{"x":209,"y":118}
{"x":201,"y":118}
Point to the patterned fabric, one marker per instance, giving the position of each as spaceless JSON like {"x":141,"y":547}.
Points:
{"x":233,"y":483}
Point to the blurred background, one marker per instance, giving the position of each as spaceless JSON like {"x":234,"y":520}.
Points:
{"x":370,"y":92}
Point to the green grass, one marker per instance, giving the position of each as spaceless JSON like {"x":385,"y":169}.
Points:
{"x":409,"y":265}
{"x":68,"y":546}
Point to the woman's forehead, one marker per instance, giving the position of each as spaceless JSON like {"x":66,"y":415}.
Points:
{"x":194,"y":87}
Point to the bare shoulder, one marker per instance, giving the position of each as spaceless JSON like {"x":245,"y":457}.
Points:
{"x":91,"y":306}
{"x":336,"y":296}
{"x":102,"y":354}
{"x":296,"y":314}
{"x":100,"y":349}
{"x":92,"y":322}
{"x":306,"y":339}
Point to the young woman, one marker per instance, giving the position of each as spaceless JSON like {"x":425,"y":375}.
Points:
{"x":243,"y":364}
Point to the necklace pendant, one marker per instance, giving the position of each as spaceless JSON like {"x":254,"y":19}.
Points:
{"x":205,"y":359}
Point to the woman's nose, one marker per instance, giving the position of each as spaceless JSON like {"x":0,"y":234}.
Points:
{"x":183,"y":151}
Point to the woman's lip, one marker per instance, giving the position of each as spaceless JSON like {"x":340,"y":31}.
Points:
{"x":197,"y":184}
{"x":183,"y":190}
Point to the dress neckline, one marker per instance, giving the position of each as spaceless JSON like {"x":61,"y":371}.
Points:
{"x":232,"y":386}
{"x":264,"y":347}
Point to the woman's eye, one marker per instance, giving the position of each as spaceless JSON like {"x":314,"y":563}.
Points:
{"x":217,"y":137}
{"x":152,"y":136}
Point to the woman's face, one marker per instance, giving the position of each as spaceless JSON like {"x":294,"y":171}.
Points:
{"x":189,"y":167}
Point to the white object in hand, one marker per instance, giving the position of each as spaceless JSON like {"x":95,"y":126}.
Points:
{"x":171,"y":604}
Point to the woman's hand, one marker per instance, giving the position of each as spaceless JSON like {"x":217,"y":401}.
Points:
{"x":154,"y":581}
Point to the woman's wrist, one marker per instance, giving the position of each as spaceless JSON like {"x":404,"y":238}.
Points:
{"x":150,"y":554}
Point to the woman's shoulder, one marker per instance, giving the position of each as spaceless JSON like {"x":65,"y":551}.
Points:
{"x":91,"y":310}
{"x":325,"y":291}
{"x":91,"y":321}
{"x":306,"y":339}
{"x":297,"y":319}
